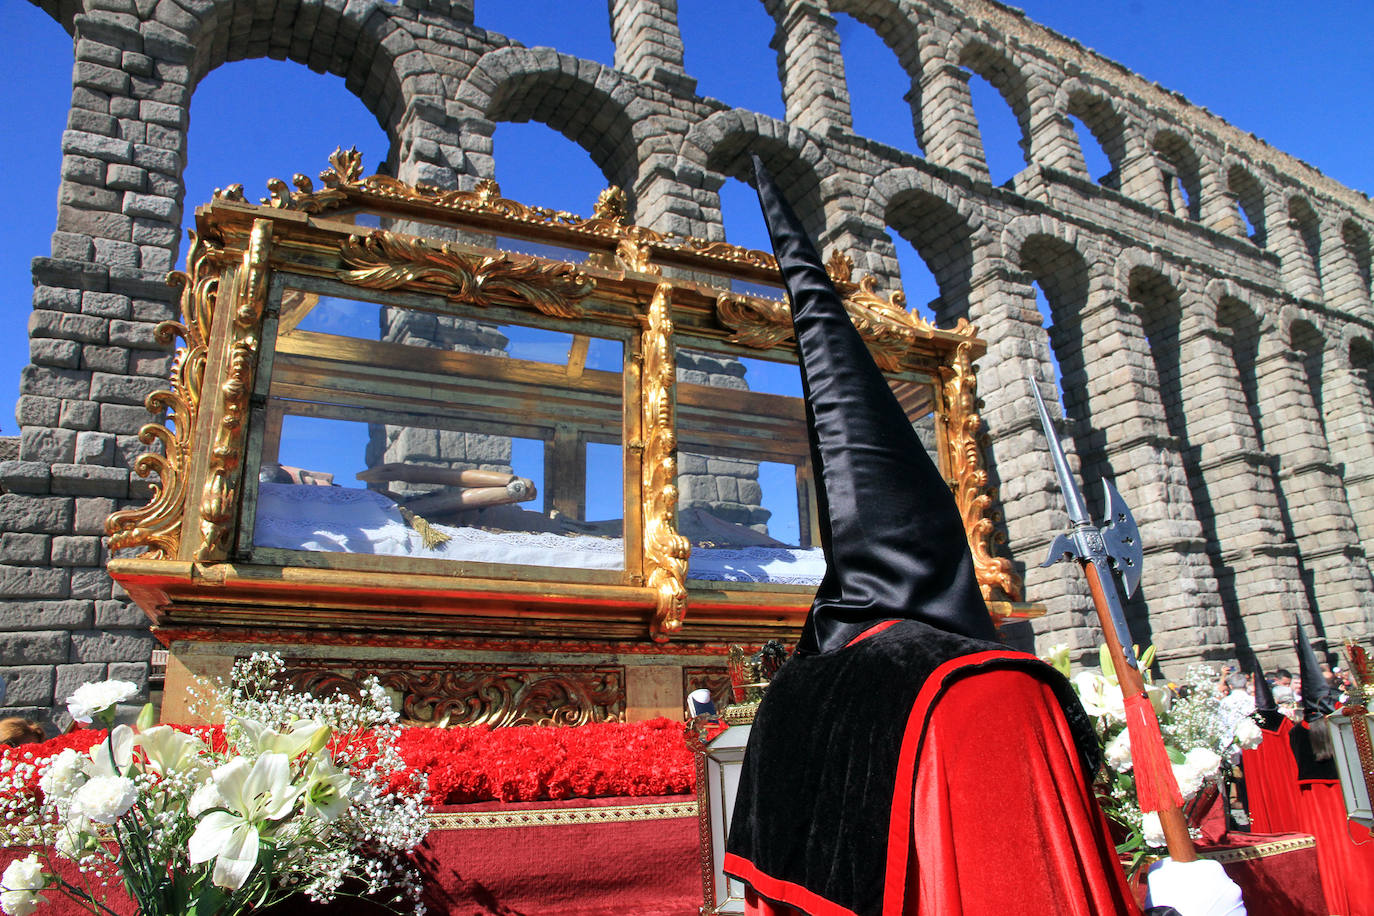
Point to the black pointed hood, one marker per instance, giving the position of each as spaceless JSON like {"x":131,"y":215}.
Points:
{"x":1266,"y":709}
{"x":893,"y":538}
{"x":1316,"y":695}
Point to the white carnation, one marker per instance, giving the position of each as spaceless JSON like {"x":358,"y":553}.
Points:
{"x":64,"y":775}
{"x":1119,"y":752}
{"x":1152,"y":829}
{"x":105,"y":798}
{"x":22,"y":880}
{"x":90,"y":700}
{"x":1205,"y":761}
{"x":1248,"y":734}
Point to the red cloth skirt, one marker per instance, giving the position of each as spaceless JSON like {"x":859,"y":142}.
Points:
{"x":1345,"y":850}
{"x":1271,"y":783}
{"x":1003,"y":821}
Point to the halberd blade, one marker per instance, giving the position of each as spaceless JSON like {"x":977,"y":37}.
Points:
{"x":1061,"y":551}
{"x":1073,"y":498}
{"x":1122,"y":538}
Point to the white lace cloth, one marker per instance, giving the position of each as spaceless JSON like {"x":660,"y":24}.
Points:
{"x":350,"y":520}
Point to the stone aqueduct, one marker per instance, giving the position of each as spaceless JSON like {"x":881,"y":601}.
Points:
{"x":1210,"y":297}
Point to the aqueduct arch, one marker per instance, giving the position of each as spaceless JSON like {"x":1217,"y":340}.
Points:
{"x":1187,"y":343}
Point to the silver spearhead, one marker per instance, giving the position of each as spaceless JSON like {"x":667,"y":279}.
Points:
{"x":1116,"y":547}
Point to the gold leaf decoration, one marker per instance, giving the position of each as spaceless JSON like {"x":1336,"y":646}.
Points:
{"x":971,"y":492}
{"x":219,"y":496}
{"x":665,"y":551}
{"x":157,"y":525}
{"x":757,"y":323}
{"x":385,"y":260}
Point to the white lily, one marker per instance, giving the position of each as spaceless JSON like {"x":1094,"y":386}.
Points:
{"x":328,"y":791}
{"x":171,"y":751}
{"x":305,"y":734}
{"x":113,"y":756}
{"x":254,"y":794}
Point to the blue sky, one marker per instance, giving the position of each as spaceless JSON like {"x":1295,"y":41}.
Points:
{"x":1297,"y":75}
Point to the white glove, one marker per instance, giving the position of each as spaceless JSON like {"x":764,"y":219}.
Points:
{"x":1200,"y":888}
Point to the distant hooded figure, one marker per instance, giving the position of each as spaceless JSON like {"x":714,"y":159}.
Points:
{"x":902,"y":760}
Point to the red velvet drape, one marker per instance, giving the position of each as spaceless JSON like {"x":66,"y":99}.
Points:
{"x":1345,"y":850}
{"x":1003,"y":822}
{"x":1271,"y":783}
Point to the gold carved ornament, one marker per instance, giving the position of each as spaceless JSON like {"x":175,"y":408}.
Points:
{"x":971,"y":493}
{"x":665,"y":551}
{"x":220,"y":493}
{"x":157,"y":525}
{"x":493,"y":695}
{"x":386,"y":260}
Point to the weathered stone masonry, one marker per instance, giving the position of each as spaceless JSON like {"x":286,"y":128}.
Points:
{"x":1217,"y":366}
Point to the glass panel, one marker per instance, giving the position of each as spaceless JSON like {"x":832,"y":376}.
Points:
{"x":399,"y":432}
{"x":746,"y":500}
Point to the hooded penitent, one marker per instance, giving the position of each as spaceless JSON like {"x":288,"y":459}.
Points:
{"x":833,"y":749}
{"x":1317,"y":700}
{"x":1266,"y":710}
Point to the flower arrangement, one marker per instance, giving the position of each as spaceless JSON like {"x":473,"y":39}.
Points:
{"x":295,"y":795}
{"x":1199,"y":738}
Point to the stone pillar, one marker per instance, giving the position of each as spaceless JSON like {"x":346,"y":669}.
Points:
{"x":1234,"y":491}
{"x":428,"y":146}
{"x":1296,"y":270}
{"x":1177,"y":600}
{"x":1054,"y":142}
{"x":949,"y":128}
{"x":94,"y":359}
{"x":1343,"y":285}
{"x":648,"y":44}
{"x":1350,"y":434}
{"x":1221,"y":212}
{"x":812,"y":68}
{"x":1142,"y":179}
{"x":1338,"y":575}
{"x":1002,"y":306}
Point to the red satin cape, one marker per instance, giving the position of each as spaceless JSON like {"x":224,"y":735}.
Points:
{"x":1001,"y":820}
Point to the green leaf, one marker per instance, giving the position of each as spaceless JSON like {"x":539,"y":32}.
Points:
{"x":1104,"y":661}
{"x":147,"y":718}
{"x":1175,"y":755}
{"x":1147,"y":659}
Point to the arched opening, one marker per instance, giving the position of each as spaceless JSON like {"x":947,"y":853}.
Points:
{"x":1101,"y":135}
{"x":1362,"y":364}
{"x":1249,"y":194}
{"x":1304,"y":219}
{"x":537,"y":165}
{"x":580,"y":28}
{"x":737,"y":63}
{"x":741,"y":216}
{"x":32,"y":149}
{"x":1242,"y":328}
{"x":262,"y":91}
{"x":1059,"y":276}
{"x":1306,"y":341}
{"x":1001,"y":108}
{"x":882,"y":94}
{"x":794,"y":176}
{"x":1357,"y":245}
{"x":941,"y":238}
{"x":918,"y":282}
{"x":1180,"y":173}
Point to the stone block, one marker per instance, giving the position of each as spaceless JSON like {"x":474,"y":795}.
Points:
{"x":90,"y":480}
{"x":90,"y":583}
{"x":29,"y":614}
{"x":155,"y":258}
{"x":150,"y":207}
{"x":57,"y":299}
{"x":133,"y":334}
{"x":137,"y":63}
{"x":9,"y":448}
{"x":91,"y":513}
{"x":34,"y":647}
{"x":86,"y":197}
{"x":24,"y":476}
{"x":24,"y":549}
{"x":36,"y":410}
{"x":105,"y":305}
{"x":111,"y":646}
{"x":69,"y":273}
{"x":84,"y":169}
{"x":117,"y":614}
{"x":122,"y":389}
{"x":48,"y":351}
{"x":116,"y":254}
{"x":74,"y":245}
{"x":154,"y":363}
{"x":123,"y":419}
{"x":28,"y":685}
{"x":105,"y":359}
{"x":95,"y":448}
{"x":79,"y":415}
{"x":47,"y":445}
{"x":41,"y":514}
{"x":154,"y":232}
{"x":125,"y":177}
{"x":75,"y":550}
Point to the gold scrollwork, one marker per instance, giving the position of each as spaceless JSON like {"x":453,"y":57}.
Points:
{"x":757,"y":323}
{"x":220,"y":493}
{"x":477,"y":694}
{"x":385,"y":260}
{"x":975,"y":499}
{"x":157,"y":525}
{"x":665,"y":551}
